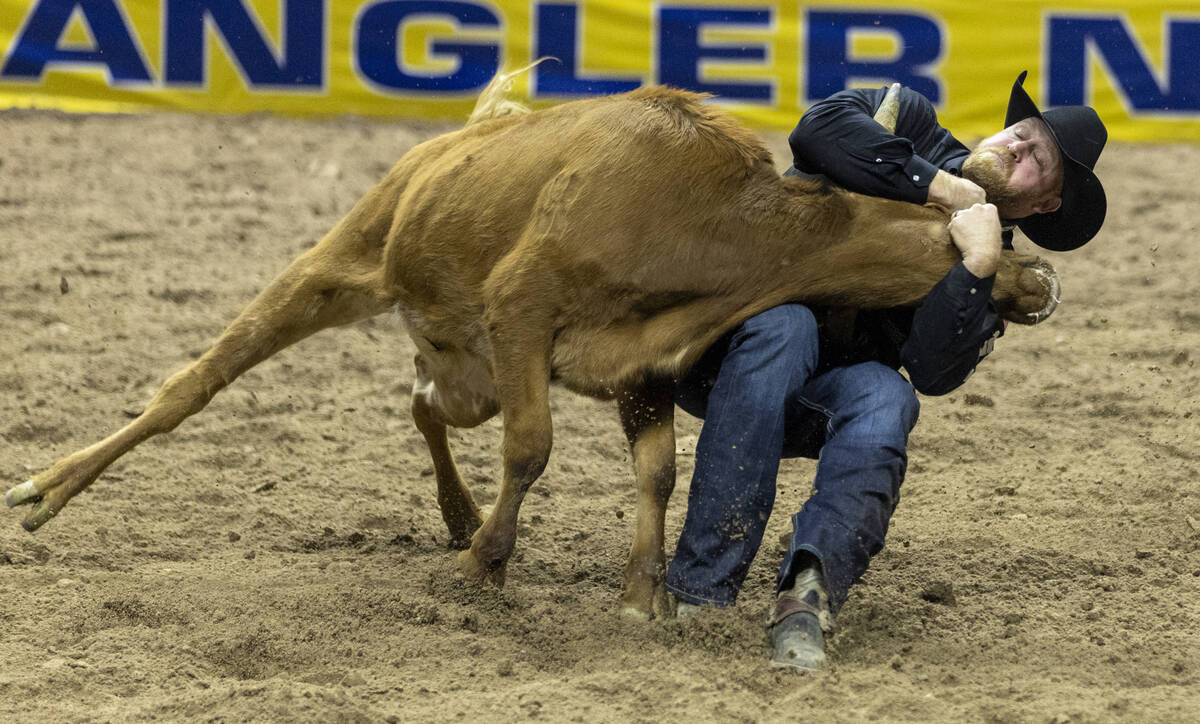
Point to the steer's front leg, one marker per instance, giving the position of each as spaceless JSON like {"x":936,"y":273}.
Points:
{"x":648,"y":418}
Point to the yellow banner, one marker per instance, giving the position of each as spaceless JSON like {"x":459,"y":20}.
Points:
{"x":1137,"y":63}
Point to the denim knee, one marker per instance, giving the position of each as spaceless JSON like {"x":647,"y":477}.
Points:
{"x":776,"y":343}
{"x":897,"y":395}
{"x":789,"y":329}
{"x":885,"y":406}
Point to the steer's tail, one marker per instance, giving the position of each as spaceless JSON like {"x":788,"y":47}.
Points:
{"x":494,"y":101}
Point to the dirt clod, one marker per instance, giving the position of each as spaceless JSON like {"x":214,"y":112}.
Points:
{"x":941,"y":592}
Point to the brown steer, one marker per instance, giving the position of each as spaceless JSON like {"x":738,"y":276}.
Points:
{"x":603,"y":243}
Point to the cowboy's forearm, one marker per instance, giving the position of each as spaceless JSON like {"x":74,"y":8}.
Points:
{"x":954,"y":192}
{"x":839,"y":138}
{"x":951,"y":332}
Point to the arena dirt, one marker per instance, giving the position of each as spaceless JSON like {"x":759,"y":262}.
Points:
{"x":280,"y":557}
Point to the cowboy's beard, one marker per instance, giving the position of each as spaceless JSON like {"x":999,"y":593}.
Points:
{"x":990,"y":168}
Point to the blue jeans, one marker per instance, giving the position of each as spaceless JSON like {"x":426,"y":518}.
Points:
{"x":763,"y":398}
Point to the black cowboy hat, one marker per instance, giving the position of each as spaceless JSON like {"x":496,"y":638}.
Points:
{"x":1080,"y":136}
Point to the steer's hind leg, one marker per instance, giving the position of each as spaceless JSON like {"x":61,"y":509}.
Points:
{"x":455,"y":500}
{"x":465,"y":399}
{"x":336,"y":282}
{"x":648,"y":418}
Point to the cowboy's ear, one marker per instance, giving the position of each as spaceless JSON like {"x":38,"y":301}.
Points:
{"x":1046,"y":207}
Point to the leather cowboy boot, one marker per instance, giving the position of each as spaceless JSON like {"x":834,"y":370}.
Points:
{"x":796,"y":630}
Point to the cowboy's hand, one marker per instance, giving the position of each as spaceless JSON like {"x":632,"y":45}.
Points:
{"x":976,"y":233}
{"x":954,"y":193}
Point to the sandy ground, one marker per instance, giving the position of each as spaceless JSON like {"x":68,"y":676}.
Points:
{"x":280,"y":557}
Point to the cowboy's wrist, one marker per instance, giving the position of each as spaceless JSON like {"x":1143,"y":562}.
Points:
{"x":939,"y":190}
{"x":981,"y":263}
{"x":954,"y":193}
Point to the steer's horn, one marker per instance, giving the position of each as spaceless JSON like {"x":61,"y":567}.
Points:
{"x":889,"y":110}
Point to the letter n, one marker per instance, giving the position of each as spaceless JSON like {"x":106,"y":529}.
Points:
{"x":1072,"y":37}
{"x":302,"y":62}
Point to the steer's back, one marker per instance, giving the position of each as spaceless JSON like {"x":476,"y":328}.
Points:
{"x":613,"y":199}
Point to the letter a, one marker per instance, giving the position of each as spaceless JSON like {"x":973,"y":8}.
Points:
{"x":113,"y":49}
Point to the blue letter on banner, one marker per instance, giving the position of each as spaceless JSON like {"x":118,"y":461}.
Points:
{"x":114,"y":47}
{"x":830,"y":67}
{"x":303,"y":61}
{"x":558,"y":36}
{"x":680,"y":51}
{"x":378,"y":55}
{"x":1071,"y":36}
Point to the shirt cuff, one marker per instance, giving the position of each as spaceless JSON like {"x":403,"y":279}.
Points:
{"x":960,"y":283}
{"x":920,"y":172}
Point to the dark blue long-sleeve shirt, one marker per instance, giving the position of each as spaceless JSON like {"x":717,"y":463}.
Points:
{"x":940,"y":342}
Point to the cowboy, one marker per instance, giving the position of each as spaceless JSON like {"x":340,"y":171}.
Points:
{"x":783,"y":384}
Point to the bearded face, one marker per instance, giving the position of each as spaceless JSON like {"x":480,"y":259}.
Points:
{"x":991,"y":167}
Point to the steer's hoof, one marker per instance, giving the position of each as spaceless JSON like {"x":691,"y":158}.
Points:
{"x":40,"y":515}
{"x":649,"y":602}
{"x":21,"y":494}
{"x":478,"y":574}
{"x":45,"y":505}
{"x":459,"y":543}
{"x":1047,"y":277}
{"x":462,"y":527}
{"x":1033,"y":294}
{"x":1027,"y":289}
